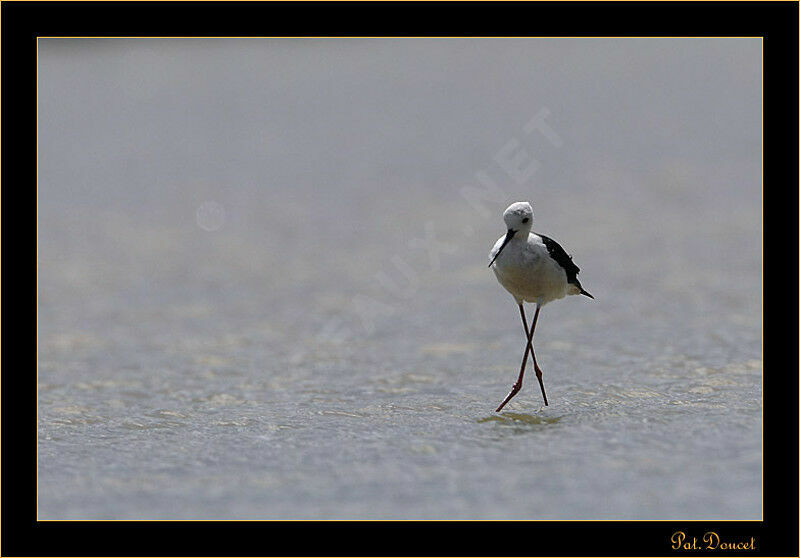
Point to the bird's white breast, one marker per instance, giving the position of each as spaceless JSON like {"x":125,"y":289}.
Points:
{"x":527,"y":271}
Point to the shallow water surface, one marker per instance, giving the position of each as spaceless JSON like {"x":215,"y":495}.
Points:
{"x":263,"y":290}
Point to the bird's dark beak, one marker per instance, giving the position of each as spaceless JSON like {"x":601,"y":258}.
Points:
{"x":509,"y":235}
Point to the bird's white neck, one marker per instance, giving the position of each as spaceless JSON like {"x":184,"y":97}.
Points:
{"x":521,"y":235}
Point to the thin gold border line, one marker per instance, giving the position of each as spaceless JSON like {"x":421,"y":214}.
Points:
{"x":406,"y":520}
{"x":394,"y":36}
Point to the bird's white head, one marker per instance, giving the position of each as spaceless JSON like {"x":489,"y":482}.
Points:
{"x":519,"y":217}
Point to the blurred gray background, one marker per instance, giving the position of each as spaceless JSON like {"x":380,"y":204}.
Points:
{"x":263,"y":289}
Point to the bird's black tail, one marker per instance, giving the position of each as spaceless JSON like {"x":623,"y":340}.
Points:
{"x":586,"y":293}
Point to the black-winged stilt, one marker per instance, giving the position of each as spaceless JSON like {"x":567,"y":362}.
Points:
{"x":533,"y":268}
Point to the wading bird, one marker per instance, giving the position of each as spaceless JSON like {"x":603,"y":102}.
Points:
{"x":533,"y":268}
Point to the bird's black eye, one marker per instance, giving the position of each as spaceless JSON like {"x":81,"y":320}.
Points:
{"x":525,"y":220}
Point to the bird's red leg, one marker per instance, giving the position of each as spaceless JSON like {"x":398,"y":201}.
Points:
{"x":518,"y":384}
{"x":533,"y":354}
{"x":528,"y":348}
{"x":535,"y":365}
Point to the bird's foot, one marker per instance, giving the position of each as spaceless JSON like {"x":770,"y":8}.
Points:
{"x":541,"y":385}
{"x":514,"y":389}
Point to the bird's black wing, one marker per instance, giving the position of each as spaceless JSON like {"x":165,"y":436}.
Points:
{"x":561,"y":257}
{"x":565,"y":261}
